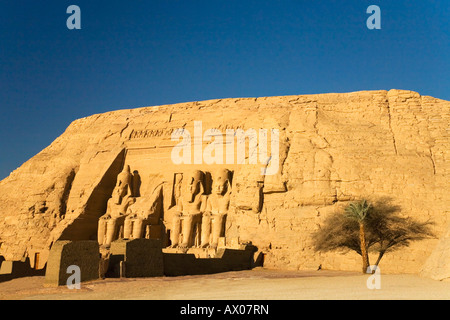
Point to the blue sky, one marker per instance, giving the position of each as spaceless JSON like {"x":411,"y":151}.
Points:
{"x":142,"y":53}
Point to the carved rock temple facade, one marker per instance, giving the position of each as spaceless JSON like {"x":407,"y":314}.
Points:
{"x":118,"y":176}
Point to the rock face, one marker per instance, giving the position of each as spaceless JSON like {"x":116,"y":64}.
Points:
{"x":333,"y":148}
{"x":437,"y":266}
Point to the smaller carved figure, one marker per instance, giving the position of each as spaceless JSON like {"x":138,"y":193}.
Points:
{"x":177,"y":188}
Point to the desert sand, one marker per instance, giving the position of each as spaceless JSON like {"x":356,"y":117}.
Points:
{"x":257,"y":284}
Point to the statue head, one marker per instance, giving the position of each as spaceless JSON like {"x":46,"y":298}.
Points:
{"x":221,"y":181}
{"x":123,"y":185}
{"x":194,"y":184}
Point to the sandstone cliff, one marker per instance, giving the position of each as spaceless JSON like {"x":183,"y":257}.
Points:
{"x":334,"y":148}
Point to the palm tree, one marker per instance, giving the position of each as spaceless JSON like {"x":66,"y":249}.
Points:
{"x":390,"y":231}
{"x":377,"y":227}
{"x":358,"y":211}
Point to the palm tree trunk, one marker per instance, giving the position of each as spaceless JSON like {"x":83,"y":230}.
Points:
{"x":380,"y":255}
{"x":364,"y":253}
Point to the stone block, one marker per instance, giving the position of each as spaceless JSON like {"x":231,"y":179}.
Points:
{"x":141,"y":258}
{"x":84,"y":254}
{"x":193,"y":263}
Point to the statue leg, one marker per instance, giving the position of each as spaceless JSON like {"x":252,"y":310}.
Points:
{"x":127,"y":228}
{"x":188,"y":229}
{"x":101,"y":231}
{"x":217,"y":229}
{"x":138,"y":229}
{"x":111,"y":231}
{"x":175,"y":232}
{"x":206,"y":230}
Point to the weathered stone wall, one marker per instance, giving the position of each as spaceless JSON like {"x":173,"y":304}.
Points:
{"x":334,"y":148}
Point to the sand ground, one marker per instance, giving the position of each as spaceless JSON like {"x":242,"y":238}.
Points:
{"x":257,"y":284}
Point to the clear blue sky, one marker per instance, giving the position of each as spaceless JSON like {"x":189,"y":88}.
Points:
{"x":142,"y":53}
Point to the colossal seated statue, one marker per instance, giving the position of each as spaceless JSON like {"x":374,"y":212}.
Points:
{"x":187,"y":215}
{"x":122,"y":197}
{"x":213,"y":219}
